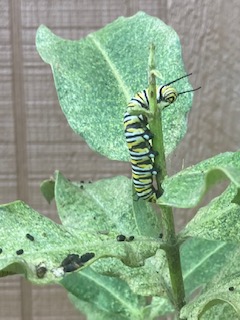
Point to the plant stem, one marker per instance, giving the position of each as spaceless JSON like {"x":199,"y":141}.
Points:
{"x":172,"y":251}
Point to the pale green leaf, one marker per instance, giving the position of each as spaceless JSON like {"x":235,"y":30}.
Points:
{"x":103,"y":206}
{"x":47,"y":189}
{"x":219,"y":220}
{"x":228,"y":271}
{"x":159,"y":307}
{"x":202,"y":260}
{"x":51,"y":243}
{"x":221,"y":311}
{"x":92,"y":312}
{"x":107,"y":294}
{"x":187,"y":188}
{"x":96,"y":77}
{"x":146,"y":280}
{"x":219,"y":293}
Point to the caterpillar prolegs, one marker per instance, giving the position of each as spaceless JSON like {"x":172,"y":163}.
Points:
{"x":139,"y":139}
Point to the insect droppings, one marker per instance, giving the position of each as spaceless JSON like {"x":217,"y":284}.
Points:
{"x":71,"y":267}
{"x":19,"y":252}
{"x":121,"y":237}
{"x":131,"y":238}
{"x":71,"y":258}
{"x":86,"y":257}
{"x":231,"y":288}
{"x":30,"y":237}
{"x":1,"y":250}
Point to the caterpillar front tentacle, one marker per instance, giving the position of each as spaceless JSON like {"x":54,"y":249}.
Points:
{"x":139,"y":138}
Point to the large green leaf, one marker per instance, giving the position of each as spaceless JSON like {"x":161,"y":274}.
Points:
{"x":187,"y":188}
{"x":229,"y":273}
{"x":96,"y":76}
{"x":211,"y":268}
{"x":36,"y":246}
{"x":108,"y":295}
{"x":92,"y":312}
{"x":105,"y":205}
{"x":219,"y":220}
{"x":146,"y":280}
{"x":225,"y":291}
{"x":202,"y":260}
{"x":221,"y":311}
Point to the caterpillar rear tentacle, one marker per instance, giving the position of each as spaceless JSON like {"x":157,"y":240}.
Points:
{"x":139,"y":138}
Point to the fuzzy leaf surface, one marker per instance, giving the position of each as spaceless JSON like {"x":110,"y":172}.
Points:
{"x":230,"y":272}
{"x":198,"y":269}
{"x":104,"y":206}
{"x":217,"y":294}
{"x":92,"y":312}
{"x":187,"y":188}
{"x":146,"y":280}
{"x":219,"y":220}
{"x":95,"y":78}
{"x":106,"y":294}
{"x":51,"y":243}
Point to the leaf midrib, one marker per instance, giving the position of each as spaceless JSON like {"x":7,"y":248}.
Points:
{"x":117,"y":297}
{"x":112,"y":66}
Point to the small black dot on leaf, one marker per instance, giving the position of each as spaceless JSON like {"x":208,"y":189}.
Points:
{"x":86,"y":257}
{"x":30,"y":237}
{"x":70,"y":259}
{"x":231,"y":288}
{"x":131,"y":238}
{"x":19,"y":252}
{"x":1,"y":250}
{"x":71,"y":267}
{"x":121,"y":237}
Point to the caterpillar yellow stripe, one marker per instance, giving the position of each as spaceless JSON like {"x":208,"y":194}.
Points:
{"x":139,"y":139}
{"x":139,"y":142}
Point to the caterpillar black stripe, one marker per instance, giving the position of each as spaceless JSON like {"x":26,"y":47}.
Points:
{"x":139,"y":140}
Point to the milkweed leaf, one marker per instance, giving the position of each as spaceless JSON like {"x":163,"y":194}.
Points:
{"x":187,"y":188}
{"x":95,"y":78}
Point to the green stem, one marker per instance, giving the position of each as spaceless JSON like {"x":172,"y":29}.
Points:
{"x":169,"y":236}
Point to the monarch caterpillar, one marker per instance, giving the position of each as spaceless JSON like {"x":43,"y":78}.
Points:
{"x":138,"y":138}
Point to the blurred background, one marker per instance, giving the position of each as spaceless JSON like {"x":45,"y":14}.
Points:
{"x":35,"y":138}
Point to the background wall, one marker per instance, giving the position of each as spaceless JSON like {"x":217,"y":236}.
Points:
{"x":35,"y":138}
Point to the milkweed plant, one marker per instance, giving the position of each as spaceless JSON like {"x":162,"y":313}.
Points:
{"x":116,"y":251}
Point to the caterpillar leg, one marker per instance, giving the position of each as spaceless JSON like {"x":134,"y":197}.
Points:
{"x":137,"y":110}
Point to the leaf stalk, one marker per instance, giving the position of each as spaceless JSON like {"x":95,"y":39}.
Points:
{"x":169,"y":236}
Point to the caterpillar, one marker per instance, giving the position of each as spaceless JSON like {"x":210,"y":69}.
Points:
{"x":139,"y":139}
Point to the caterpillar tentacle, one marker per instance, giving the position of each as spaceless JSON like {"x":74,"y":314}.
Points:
{"x":139,"y":138}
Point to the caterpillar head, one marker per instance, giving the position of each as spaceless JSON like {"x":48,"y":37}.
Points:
{"x":166,"y":94}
